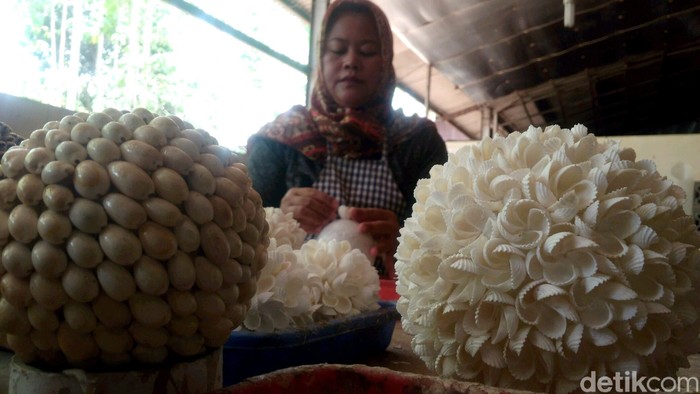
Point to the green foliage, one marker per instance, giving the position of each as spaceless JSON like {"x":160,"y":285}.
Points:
{"x":115,"y":57}
{"x":149,"y":53}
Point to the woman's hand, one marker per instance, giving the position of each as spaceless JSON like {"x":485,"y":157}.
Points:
{"x":312,"y":208}
{"x":383,"y":226}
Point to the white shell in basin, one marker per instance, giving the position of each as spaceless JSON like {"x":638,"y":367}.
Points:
{"x":346,"y":230}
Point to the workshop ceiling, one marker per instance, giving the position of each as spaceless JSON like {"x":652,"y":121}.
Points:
{"x":626,"y":67}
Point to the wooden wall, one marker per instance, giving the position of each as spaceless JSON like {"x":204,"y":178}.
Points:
{"x":24,"y":115}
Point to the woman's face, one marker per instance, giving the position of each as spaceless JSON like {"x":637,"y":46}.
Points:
{"x":352,"y":60}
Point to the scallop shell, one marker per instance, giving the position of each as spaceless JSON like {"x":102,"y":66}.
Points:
{"x":597,"y":314}
{"x":612,"y":290}
{"x":523,"y":223}
{"x":466,"y":293}
{"x":470,"y":323}
{"x":559,"y":243}
{"x":662,"y":331}
{"x":508,"y":326}
{"x":522,"y":368}
{"x":662,"y":185}
{"x":344,"y":306}
{"x":422,"y":350}
{"x":683,"y":283}
{"x":517,"y":342}
{"x":585,"y":147}
{"x":644,"y":237}
{"x":622,"y":223}
{"x":450,"y":348}
{"x":532,"y":155}
{"x":546,"y":290}
{"x":643,"y":342}
{"x":466,"y":224}
{"x":252,"y":320}
{"x":648,"y":289}
{"x":492,"y":356}
{"x":458,"y":194}
{"x":566,"y":178}
{"x":533,"y":267}
{"x":633,"y":261}
{"x":624,"y":177}
{"x":474,"y":344}
{"x":625,"y":311}
{"x":441,"y":186}
{"x":550,"y":323}
{"x":593,"y":281}
{"x":498,"y":281}
{"x":601,"y":337}
{"x":686,"y":312}
{"x":460,"y":176}
{"x":564,"y":209}
{"x":561,"y":158}
{"x":590,"y":214}
{"x":438,"y":198}
{"x":609,"y":245}
{"x":619,"y":164}
{"x":462,"y":263}
{"x":574,"y":369}
{"x":585,"y":263}
{"x":501,"y":185}
{"x":564,"y":308}
{"x":433,"y":220}
{"x":542,"y":342}
{"x":526,"y":306}
{"x":422,"y":191}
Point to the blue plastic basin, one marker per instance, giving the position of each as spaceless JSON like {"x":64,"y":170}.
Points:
{"x":339,"y":341}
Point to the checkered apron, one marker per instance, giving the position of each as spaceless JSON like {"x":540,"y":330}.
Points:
{"x":363,"y":183}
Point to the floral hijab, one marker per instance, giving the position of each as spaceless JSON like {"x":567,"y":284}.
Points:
{"x":349,"y":132}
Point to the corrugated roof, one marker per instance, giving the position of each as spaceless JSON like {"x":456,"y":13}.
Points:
{"x":626,"y":66}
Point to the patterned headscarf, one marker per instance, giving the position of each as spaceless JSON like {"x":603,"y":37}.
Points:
{"x":349,"y":132}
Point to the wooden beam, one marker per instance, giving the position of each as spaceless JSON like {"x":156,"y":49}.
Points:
{"x":450,"y":116}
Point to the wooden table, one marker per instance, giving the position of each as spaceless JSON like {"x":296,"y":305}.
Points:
{"x":399,"y":356}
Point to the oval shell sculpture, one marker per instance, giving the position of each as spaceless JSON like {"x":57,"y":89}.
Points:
{"x":109,"y":258}
{"x":532,"y":260}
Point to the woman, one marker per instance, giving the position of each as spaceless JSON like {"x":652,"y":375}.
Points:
{"x":350,"y":147}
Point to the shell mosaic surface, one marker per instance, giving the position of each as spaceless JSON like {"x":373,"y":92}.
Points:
{"x":307,"y":282}
{"x":532,"y":260}
{"x":126,"y":238}
{"x":284,"y":229}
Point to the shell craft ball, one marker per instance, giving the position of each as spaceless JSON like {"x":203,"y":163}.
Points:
{"x":309,"y":281}
{"x":532,"y":260}
{"x":126,"y":238}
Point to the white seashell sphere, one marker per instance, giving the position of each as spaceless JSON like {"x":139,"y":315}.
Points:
{"x":532,"y":260}
{"x":283,"y":298}
{"x":284,"y":228}
{"x":343,"y":282}
{"x":307,"y":282}
{"x":347,"y":230}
